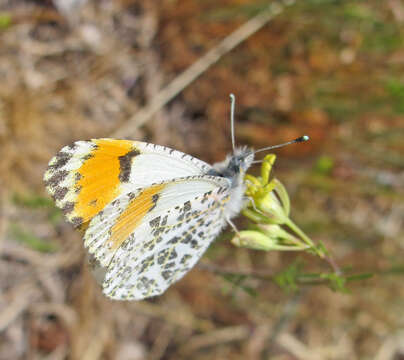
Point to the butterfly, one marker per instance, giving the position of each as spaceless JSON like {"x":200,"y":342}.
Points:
{"x":148,"y":212}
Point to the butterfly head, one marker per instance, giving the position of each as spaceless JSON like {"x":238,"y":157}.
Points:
{"x":234,"y":165}
{"x":241,"y":159}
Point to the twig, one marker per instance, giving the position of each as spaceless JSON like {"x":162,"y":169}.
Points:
{"x":216,"y":337}
{"x":297,"y":348}
{"x":18,"y":299}
{"x":333,"y":264}
{"x":183,"y":319}
{"x":59,"y":260}
{"x":391,"y":346}
{"x":288,"y":312}
{"x":216,"y":269}
{"x":286,"y":340}
{"x":162,"y":341}
{"x":98,"y":343}
{"x":59,"y":353}
{"x":301,"y":279}
{"x":397,"y":9}
{"x":199,"y":67}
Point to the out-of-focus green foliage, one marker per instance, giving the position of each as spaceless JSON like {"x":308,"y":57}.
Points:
{"x":395,"y":88}
{"x":5,"y":20}
{"x":324,"y":165}
{"x":34,"y":201}
{"x":30,"y":240}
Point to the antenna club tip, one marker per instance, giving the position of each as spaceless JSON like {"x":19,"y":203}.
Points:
{"x":232,"y":96}
{"x":303,"y":138}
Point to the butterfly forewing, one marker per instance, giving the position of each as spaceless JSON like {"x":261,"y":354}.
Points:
{"x":87,"y":175}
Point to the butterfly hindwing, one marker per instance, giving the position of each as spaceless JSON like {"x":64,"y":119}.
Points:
{"x":148,"y":238}
{"x":86,"y":176}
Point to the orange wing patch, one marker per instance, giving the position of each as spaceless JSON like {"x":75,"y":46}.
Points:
{"x":99,"y":177}
{"x":131,"y":217}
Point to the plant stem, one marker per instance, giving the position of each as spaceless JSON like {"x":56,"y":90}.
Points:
{"x":304,"y":237}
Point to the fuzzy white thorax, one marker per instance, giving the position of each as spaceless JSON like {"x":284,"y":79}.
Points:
{"x":234,"y":168}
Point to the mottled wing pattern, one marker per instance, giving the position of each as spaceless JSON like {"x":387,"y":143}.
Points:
{"x":148,"y":238}
{"x":87,"y":175}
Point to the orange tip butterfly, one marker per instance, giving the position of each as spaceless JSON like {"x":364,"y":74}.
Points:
{"x":149,"y":212}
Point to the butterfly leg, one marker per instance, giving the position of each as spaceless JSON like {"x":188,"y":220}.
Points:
{"x":253,"y":205}
{"x":232,"y":226}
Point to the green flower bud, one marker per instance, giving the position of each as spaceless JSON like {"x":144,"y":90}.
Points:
{"x":253,"y":240}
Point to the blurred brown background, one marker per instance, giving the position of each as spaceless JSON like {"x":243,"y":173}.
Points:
{"x":330,"y":69}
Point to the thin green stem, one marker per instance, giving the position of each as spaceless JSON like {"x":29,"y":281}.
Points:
{"x":303,"y":236}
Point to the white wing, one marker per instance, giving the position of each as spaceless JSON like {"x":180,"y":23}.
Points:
{"x":149,"y":238}
{"x":159,"y":163}
{"x":85,"y":176}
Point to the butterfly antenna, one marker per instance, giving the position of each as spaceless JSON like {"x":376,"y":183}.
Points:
{"x":232,"y":106}
{"x":299,"y":139}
